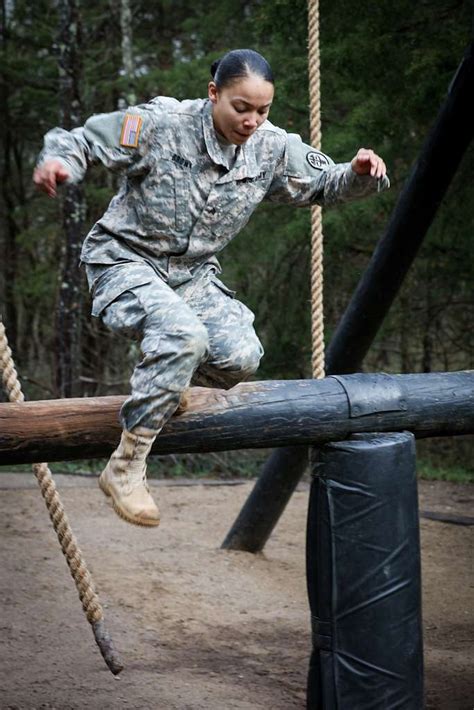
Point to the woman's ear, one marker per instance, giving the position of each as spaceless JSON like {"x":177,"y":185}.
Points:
{"x":212,"y":91}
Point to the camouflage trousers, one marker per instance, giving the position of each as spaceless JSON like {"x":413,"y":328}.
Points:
{"x":196,"y":332}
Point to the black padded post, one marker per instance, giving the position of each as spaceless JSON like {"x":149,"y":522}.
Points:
{"x":363,"y":571}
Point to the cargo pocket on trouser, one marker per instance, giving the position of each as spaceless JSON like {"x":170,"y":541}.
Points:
{"x":113,"y":300}
{"x":124,"y":315}
{"x":115,"y":280}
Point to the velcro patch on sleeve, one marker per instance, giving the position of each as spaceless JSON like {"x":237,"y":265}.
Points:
{"x":317,"y":159}
{"x":131,"y":128}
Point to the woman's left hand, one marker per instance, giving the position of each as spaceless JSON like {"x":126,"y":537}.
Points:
{"x":366,"y":162}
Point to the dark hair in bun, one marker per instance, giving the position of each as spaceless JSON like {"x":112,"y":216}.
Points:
{"x":240,"y":63}
{"x":214,"y":66}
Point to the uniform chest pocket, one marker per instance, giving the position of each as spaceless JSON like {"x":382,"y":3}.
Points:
{"x":236,"y":204}
{"x":165,"y":194}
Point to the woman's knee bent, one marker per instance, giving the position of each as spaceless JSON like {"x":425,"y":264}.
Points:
{"x":231,"y":369}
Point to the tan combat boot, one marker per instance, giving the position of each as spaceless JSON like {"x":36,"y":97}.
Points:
{"x":124,"y":478}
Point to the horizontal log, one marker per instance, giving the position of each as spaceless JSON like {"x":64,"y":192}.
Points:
{"x":250,"y":415}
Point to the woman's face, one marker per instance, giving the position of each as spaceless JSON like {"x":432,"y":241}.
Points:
{"x":239,"y":109}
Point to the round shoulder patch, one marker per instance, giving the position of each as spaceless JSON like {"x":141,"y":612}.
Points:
{"x":316,"y":159}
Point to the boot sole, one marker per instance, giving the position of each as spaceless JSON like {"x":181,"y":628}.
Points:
{"x":123,"y":513}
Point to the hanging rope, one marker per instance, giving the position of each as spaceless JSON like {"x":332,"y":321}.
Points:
{"x":80,"y":573}
{"x":317,"y":312}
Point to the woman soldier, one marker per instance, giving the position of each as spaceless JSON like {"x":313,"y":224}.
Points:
{"x":195,"y":171}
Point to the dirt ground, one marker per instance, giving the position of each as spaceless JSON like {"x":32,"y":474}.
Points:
{"x":197,"y":628}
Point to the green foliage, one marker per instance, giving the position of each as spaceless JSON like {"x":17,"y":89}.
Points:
{"x":228,"y":466}
{"x":455,"y":474}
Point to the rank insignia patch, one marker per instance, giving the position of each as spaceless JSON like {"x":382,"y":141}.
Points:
{"x":316,"y":159}
{"x":131,"y":128}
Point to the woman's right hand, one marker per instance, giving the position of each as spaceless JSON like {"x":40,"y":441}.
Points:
{"x":48,"y":175}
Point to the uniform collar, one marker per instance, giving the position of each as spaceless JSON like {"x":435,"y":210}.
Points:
{"x":210,"y":138}
{"x":245,"y":161}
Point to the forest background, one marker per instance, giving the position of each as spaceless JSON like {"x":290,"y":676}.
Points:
{"x":386,"y":68}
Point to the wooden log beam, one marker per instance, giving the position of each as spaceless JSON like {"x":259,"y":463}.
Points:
{"x":250,"y":415}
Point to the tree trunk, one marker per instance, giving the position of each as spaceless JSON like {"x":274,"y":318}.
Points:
{"x":128,"y":67}
{"x":9,"y":226}
{"x":68,"y":319}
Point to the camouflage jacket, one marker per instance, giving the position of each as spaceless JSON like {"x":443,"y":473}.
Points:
{"x":184,"y":198}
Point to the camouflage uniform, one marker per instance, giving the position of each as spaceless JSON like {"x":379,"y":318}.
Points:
{"x":151,"y":259}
